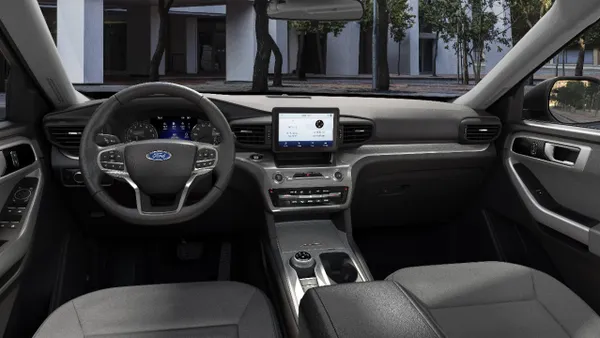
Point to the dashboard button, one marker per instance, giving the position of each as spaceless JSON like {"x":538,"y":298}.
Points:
{"x":256,"y":157}
{"x":278,"y":178}
{"x":338,"y":176}
{"x":78,"y":177}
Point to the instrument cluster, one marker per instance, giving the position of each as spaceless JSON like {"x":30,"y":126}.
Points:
{"x":172,"y":127}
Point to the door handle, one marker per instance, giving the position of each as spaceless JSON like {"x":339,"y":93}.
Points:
{"x":560,"y":153}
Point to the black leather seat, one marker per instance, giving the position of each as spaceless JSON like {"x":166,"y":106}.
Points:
{"x":493,"y":299}
{"x":212,"y":309}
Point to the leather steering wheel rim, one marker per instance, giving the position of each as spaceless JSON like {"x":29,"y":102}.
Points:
{"x":92,"y":172}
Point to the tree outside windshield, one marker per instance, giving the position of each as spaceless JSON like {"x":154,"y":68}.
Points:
{"x":427,"y":47}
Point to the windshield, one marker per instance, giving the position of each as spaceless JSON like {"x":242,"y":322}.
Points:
{"x":429,"y":48}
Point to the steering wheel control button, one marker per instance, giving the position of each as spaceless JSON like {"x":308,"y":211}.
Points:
{"x":278,"y":178}
{"x":338,"y":176}
{"x":104,"y":140}
{"x":112,"y":160}
{"x":256,"y":157}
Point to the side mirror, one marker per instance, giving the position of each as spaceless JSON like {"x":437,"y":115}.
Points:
{"x":566,"y":100}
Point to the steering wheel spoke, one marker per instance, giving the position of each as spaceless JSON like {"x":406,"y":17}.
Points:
{"x":207,"y":158}
{"x":111,"y":161}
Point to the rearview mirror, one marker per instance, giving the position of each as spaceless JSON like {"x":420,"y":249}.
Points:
{"x":575,"y":100}
{"x":315,"y":10}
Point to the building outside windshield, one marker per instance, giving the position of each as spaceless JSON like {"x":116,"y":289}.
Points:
{"x":432,"y":48}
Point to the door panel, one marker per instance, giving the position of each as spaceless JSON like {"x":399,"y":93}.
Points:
{"x":21,"y":183}
{"x":557,"y":177}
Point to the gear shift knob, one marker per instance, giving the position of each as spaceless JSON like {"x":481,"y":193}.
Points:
{"x":302,"y":262}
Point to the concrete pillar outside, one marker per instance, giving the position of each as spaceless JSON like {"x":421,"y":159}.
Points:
{"x":343,"y":51}
{"x":398,"y":62}
{"x":80,"y":39}
{"x":143,"y":23}
{"x":279,"y":31}
{"x":191,"y":45}
{"x":409,"y":47}
{"x":292,"y":49}
{"x":240,"y":40}
{"x":154,"y":27}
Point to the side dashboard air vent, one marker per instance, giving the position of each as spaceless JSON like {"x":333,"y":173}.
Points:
{"x":252,"y":135}
{"x":354,"y":134}
{"x":479,"y":130}
{"x":65,"y":136}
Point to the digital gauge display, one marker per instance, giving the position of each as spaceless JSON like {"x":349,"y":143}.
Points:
{"x":179,"y":128}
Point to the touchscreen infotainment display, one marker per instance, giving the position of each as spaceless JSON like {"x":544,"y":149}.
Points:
{"x":306,"y":130}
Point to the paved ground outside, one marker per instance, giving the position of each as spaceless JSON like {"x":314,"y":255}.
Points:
{"x":400,"y":85}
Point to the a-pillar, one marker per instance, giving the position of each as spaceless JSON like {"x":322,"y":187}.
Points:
{"x":343,"y":51}
{"x":240,"y":40}
{"x":143,"y":23}
{"x":80,"y":39}
{"x":191,"y":45}
{"x":279,"y":31}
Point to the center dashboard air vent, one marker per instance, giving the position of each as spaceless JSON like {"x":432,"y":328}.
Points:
{"x":65,"y":136}
{"x":252,"y":135}
{"x":355,"y":134}
{"x":479,"y":130}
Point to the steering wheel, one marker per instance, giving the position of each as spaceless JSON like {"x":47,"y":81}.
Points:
{"x":159,"y":169}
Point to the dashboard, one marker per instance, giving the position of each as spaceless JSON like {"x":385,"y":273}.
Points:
{"x":304,"y":152}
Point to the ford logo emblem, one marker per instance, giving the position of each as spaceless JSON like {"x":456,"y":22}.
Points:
{"x":158,"y":155}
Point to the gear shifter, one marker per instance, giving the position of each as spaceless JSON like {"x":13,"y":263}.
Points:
{"x":304,"y":264}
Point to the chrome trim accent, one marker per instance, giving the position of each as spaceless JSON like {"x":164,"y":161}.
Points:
{"x":124,"y":174}
{"x":562,"y":127}
{"x":579,"y":165}
{"x":67,"y":155}
{"x":349,"y":161}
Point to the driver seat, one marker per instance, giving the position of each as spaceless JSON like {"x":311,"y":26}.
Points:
{"x":208,"y":309}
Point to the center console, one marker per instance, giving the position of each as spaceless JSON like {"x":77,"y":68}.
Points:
{"x":314,"y":253}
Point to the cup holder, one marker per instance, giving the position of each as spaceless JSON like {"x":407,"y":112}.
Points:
{"x":339,"y":267}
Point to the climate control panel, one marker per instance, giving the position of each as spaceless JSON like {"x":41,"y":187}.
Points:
{"x":302,"y":197}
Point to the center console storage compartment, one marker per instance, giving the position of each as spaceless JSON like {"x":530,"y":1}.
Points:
{"x":371,"y":309}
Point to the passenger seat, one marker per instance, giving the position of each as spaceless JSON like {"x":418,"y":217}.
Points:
{"x":494,"y":299}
